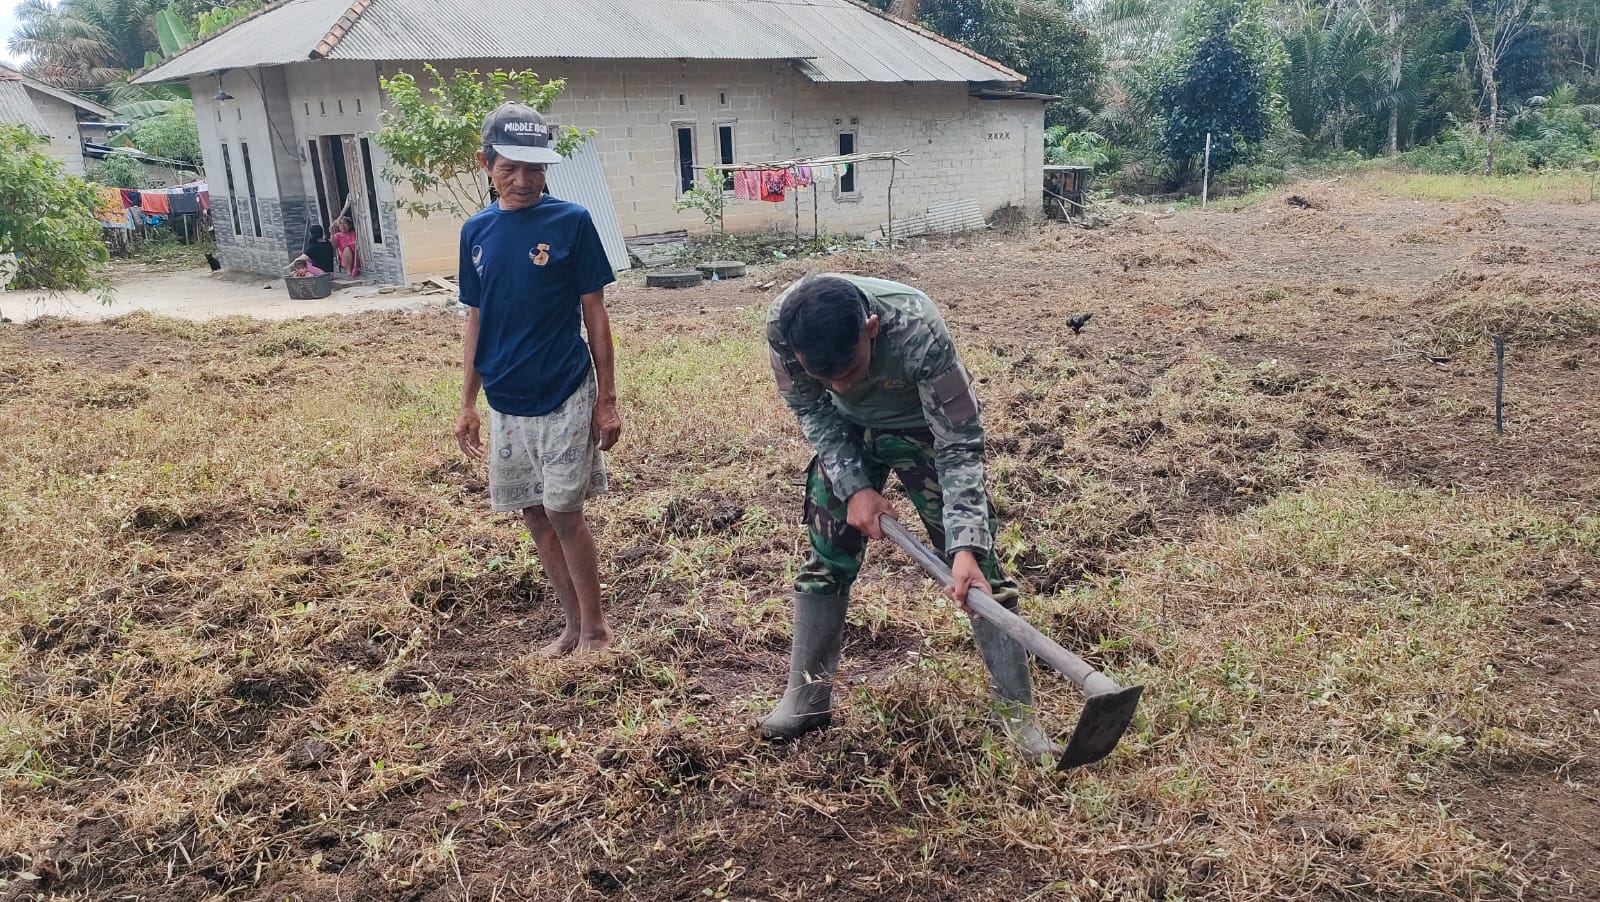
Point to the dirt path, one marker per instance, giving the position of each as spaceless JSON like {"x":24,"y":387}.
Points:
{"x":203,"y":295}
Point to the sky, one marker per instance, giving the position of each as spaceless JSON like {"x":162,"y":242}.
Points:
{"x":8,"y":24}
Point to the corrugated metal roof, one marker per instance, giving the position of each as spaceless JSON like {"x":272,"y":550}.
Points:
{"x":864,"y":45}
{"x":581,"y":179}
{"x":280,"y":34}
{"x":831,"y":40}
{"x":582,"y":29}
{"x":16,"y":106}
{"x":83,"y":103}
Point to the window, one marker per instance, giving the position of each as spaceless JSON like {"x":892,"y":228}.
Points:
{"x":722,"y":99}
{"x":847,"y":145}
{"x":685,"y":143}
{"x":233,"y":196}
{"x":725,"y":154}
{"x":372,"y":192}
{"x":250,"y":187}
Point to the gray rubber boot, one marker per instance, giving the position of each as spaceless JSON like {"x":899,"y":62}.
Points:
{"x":813,"y":658}
{"x":1012,"y":685}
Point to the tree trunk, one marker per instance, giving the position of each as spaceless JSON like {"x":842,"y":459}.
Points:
{"x":1494,"y":120}
{"x":1397,"y":60}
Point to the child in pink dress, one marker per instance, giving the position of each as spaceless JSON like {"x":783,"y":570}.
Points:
{"x":346,"y":247}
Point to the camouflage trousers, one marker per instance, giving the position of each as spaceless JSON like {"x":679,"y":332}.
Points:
{"x":837,"y":548}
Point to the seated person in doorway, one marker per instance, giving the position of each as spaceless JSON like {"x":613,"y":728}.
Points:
{"x":319,"y":250}
{"x":346,"y":247}
{"x":301,"y":267}
{"x":870,"y":370}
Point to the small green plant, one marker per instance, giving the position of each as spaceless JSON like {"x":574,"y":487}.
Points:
{"x":1068,"y":148}
{"x":433,"y":136}
{"x":708,"y":196}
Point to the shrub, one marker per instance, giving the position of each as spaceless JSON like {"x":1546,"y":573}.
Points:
{"x":46,"y":218}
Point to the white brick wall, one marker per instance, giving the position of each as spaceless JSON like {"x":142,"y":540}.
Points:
{"x":61,"y":118}
{"x":960,"y":147}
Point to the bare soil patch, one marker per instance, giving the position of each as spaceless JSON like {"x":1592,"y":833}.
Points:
{"x":265,"y":641}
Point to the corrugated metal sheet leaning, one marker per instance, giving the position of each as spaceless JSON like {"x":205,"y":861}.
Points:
{"x":580,"y":179}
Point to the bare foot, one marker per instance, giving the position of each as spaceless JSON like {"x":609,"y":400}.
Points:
{"x":561,"y":645}
{"x":593,"y":642}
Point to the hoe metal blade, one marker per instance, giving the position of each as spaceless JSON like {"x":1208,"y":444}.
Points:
{"x":1109,"y":707}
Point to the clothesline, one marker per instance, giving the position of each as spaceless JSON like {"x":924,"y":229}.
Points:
{"x":898,"y":156}
{"x":774,"y":177}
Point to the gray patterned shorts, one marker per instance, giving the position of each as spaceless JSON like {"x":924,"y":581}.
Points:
{"x":550,"y":461}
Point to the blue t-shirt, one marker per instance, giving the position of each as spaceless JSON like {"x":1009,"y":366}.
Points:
{"x":525,"y":270}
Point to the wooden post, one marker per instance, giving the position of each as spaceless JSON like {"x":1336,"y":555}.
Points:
{"x":1205,"y":175}
{"x":796,"y":193}
{"x":1499,"y":384}
{"x":892,"y":166}
{"x":816,"y":233}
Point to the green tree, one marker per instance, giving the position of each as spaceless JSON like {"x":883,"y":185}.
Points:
{"x":432,"y":136}
{"x":117,"y":170}
{"x":1061,"y":56}
{"x":162,"y":128}
{"x":1039,"y":38}
{"x":210,"y":21}
{"x":81,"y":44}
{"x":991,"y":27}
{"x":1495,"y":26}
{"x":1063,"y":147}
{"x":1223,"y":82}
{"x":46,"y":218}
{"x":1330,"y":82}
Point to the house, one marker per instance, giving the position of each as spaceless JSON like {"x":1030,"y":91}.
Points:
{"x":64,"y":118}
{"x":287,"y":99}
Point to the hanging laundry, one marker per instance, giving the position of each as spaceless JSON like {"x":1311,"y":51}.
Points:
{"x":154,"y":202}
{"x":802,"y":177}
{"x":773,"y":184}
{"x":840,"y":170}
{"x":109,"y":210}
{"x":184,"y":203}
{"x":130,"y":197}
{"x":747,"y":184}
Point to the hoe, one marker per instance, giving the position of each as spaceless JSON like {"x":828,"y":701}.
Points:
{"x":1109,"y":707}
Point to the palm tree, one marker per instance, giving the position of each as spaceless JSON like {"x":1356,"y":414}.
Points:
{"x":1332,"y":77}
{"x":85,"y":43}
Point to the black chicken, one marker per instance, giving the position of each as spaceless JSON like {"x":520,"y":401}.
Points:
{"x":213,"y":262}
{"x":1078,"y":322}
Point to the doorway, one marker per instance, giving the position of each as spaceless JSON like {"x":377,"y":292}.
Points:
{"x":346,"y":185}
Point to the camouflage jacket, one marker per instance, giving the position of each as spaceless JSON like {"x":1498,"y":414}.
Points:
{"x":916,"y":382}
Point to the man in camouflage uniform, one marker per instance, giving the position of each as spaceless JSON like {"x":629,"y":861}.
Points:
{"x":869,"y":369}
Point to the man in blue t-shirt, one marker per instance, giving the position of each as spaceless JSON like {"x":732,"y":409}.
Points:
{"x":532,"y":272}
